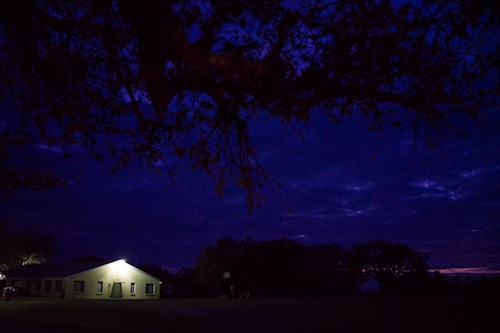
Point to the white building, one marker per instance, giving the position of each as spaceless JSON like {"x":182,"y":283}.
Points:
{"x":115,"y":279}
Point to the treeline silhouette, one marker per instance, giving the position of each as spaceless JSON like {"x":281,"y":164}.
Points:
{"x":285,"y":268}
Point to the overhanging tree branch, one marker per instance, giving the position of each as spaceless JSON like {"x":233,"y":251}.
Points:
{"x":147,"y":78}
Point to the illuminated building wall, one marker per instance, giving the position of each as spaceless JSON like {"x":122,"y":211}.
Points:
{"x":116,"y":279}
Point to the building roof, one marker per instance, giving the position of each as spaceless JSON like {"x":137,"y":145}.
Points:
{"x":38,"y":271}
{"x":52,"y":270}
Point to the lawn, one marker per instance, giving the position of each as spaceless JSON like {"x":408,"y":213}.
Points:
{"x":350,"y":314}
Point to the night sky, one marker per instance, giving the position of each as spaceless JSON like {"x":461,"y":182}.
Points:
{"x":444,"y":202}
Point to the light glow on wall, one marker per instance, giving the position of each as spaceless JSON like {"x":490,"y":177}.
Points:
{"x":119,"y":270}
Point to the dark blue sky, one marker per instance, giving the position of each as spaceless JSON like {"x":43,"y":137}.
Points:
{"x":444,"y":202}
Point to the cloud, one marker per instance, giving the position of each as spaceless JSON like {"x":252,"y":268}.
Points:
{"x":446,"y":205}
{"x":54,"y":149}
{"x":468,"y":270}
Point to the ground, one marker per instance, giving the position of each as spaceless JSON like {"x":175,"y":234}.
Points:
{"x":350,"y":314}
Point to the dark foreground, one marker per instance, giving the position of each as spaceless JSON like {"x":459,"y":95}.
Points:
{"x":352,"y":314}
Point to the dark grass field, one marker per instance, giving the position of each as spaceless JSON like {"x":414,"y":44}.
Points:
{"x":350,"y":314}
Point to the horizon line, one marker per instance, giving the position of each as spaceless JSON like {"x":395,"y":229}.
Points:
{"x":467,"y":270}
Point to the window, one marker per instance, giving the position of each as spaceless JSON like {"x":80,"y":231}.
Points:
{"x":58,"y":286}
{"x":79,"y":286}
{"x":48,"y":285}
{"x":38,"y":285}
{"x":150,"y":289}
{"x":132,"y":288}
{"x":99,"y":288}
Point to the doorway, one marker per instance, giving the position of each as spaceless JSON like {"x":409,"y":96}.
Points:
{"x":116,"y":291}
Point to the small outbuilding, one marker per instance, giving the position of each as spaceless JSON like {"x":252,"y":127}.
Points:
{"x":115,"y":279}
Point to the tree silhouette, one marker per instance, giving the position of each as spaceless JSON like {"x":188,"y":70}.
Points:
{"x":227,"y":254}
{"x":24,"y":247}
{"x":137,"y":80}
{"x":393,"y":266}
{"x":278,"y":267}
